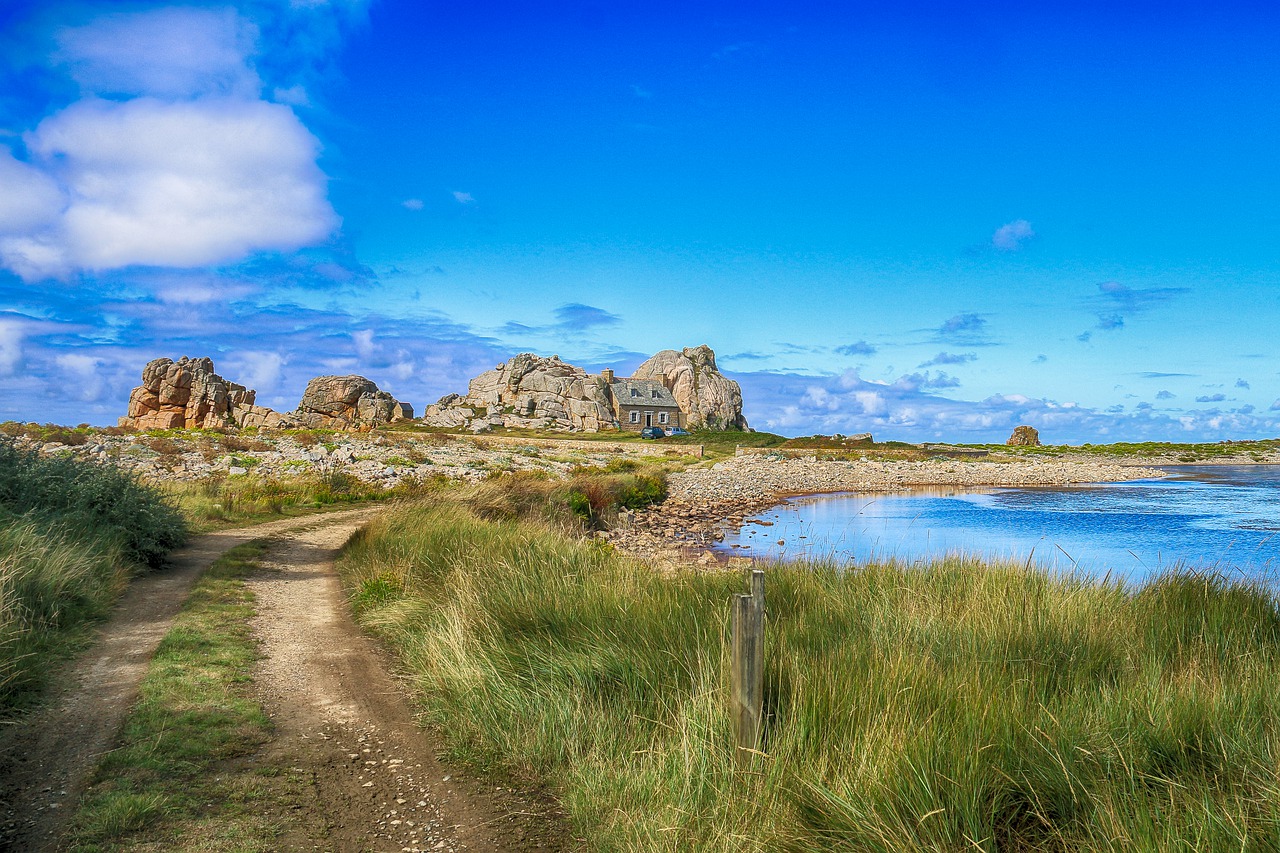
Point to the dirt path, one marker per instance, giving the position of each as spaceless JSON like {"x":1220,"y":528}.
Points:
{"x":341,"y":719}
{"x":322,"y":681}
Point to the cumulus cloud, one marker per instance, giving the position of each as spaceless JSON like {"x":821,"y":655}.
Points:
{"x":1242,"y":383}
{"x":950,"y":358}
{"x":412,"y":204}
{"x":1012,"y":235}
{"x":256,"y":369}
{"x":192,"y":169}
{"x":463,"y":198}
{"x":82,"y":374}
{"x":1165,"y":395}
{"x":1211,"y":398}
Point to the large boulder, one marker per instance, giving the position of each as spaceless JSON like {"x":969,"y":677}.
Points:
{"x":528,"y":391}
{"x":186,"y":394}
{"x":1024,"y":436}
{"x":348,"y":402}
{"x":708,"y":398}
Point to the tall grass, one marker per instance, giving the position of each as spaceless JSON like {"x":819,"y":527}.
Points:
{"x":71,"y":533}
{"x":956,"y":706}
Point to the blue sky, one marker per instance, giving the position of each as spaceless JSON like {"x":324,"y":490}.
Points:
{"x":931,"y":221}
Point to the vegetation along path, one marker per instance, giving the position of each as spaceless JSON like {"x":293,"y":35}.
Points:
{"x":321,"y":681}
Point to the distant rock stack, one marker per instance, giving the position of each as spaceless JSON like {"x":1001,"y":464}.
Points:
{"x":709,"y":399}
{"x":187,"y":394}
{"x":1024,"y":436}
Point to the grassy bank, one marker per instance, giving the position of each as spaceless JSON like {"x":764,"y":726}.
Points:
{"x":71,"y":534}
{"x":217,"y":503}
{"x":180,"y":777}
{"x":958,"y":706}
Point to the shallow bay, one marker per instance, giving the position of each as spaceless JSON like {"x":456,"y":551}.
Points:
{"x":1215,"y":517}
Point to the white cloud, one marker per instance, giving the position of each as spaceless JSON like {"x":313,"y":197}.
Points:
{"x":1010,"y":236}
{"x":463,"y":198}
{"x":30,"y":197}
{"x":173,"y":184}
{"x":168,"y":52}
{"x":412,"y":204}
{"x":257,"y":370}
{"x":11,"y":336}
{"x":365,"y":347}
{"x":84,"y":372}
{"x":194,"y":170}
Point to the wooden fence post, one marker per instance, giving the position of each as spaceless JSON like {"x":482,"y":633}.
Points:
{"x":747,"y":667}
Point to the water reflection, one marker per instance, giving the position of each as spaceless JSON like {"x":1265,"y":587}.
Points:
{"x":1220,"y":517}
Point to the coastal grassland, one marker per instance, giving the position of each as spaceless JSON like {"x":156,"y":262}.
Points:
{"x":1221,"y":451}
{"x":959,"y":705}
{"x":71,"y":534}
{"x":181,"y":776}
{"x":218,"y":502}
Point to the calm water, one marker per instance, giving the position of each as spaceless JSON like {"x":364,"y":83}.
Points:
{"x":1222,"y":517}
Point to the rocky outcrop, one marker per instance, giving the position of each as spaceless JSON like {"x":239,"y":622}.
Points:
{"x":531,"y":392}
{"x":348,"y":402}
{"x":186,"y":394}
{"x":709,"y":399}
{"x":1024,"y":436}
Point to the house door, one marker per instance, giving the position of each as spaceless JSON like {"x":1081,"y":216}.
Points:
{"x":648,"y":418}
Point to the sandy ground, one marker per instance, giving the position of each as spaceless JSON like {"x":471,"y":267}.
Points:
{"x":339,"y":715}
{"x":342,"y":720}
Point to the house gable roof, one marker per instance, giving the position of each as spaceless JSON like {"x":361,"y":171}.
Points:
{"x":643,"y":392}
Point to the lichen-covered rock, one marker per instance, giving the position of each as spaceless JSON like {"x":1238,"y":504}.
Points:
{"x":347,"y":402}
{"x":186,"y":394}
{"x":1024,"y":436}
{"x":708,"y":398}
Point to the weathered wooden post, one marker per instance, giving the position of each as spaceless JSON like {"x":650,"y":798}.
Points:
{"x":747,"y":667}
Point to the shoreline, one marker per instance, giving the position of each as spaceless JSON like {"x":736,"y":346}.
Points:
{"x":705,"y":504}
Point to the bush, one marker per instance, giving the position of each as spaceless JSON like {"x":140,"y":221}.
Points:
{"x":92,"y":500}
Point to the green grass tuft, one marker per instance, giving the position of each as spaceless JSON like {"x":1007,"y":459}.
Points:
{"x":955,"y":706}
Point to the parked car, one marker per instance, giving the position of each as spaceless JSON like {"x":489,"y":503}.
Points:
{"x":676,"y":431}
{"x":652,"y":432}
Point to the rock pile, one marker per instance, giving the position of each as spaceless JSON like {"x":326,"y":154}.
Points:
{"x":187,"y":394}
{"x":709,"y":399}
{"x":1024,"y":436}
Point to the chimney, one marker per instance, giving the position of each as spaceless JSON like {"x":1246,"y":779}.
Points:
{"x":607,"y":375}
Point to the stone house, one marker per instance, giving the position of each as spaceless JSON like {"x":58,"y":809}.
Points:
{"x":640,"y":403}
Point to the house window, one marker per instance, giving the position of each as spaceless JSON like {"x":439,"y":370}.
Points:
{"x":662,"y":417}
{"x":635,"y":417}
{"x":635,"y":392}
{"x":657,"y":395}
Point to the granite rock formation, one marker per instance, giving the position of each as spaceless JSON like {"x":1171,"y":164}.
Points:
{"x":348,"y":402}
{"x":528,"y":391}
{"x":187,"y":394}
{"x":1024,"y":436}
{"x":546,"y":393}
{"x":708,"y":398}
